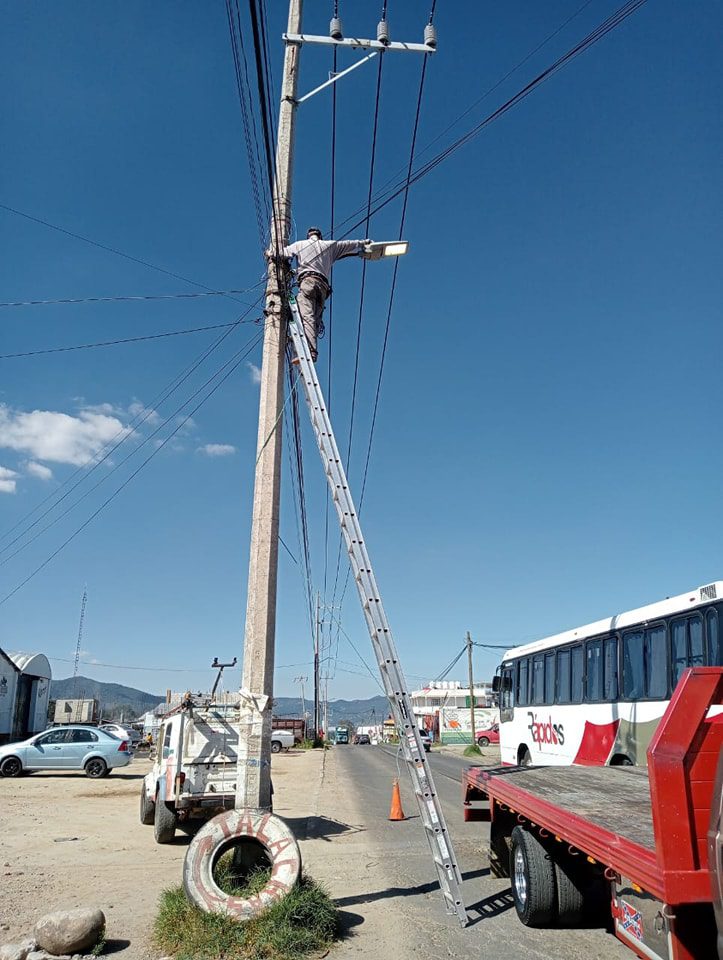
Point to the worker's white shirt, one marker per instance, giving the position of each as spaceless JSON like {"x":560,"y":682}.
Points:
{"x":318,"y":256}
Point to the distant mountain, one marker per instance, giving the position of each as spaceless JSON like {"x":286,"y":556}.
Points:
{"x":115,"y":699}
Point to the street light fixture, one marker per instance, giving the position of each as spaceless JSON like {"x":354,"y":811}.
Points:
{"x":387,"y":248}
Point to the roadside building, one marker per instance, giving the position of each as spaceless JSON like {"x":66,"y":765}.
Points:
{"x":24,"y":694}
{"x":443,"y":708}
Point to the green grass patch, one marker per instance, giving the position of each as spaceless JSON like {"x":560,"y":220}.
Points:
{"x":472,"y":751}
{"x":305,"y":922}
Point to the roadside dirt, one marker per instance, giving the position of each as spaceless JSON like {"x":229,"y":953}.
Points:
{"x":66,"y":841}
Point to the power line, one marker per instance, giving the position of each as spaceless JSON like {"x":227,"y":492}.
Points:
{"x":108,"y":249}
{"x":593,"y":37}
{"x":125,"y":299}
{"x":132,"y":476}
{"x":124,"y":340}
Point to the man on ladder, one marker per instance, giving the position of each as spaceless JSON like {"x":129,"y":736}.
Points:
{"x":315,"y":257}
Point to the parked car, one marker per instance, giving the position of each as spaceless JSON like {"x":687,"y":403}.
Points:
{"x":488,"y":736}
{"x":66,"y":748}
{"x":124,"y":733}
{"x":426,"y":740}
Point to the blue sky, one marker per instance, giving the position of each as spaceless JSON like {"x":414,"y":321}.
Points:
{"x":545,"y":453}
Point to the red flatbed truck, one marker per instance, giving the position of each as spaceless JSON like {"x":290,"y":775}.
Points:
{"x":642,"y":844}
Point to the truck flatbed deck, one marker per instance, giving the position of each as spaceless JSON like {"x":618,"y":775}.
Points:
{"x":561,"y":832}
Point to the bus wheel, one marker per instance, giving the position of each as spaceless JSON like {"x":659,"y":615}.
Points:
{"x":524,"y":758}
{"x":621,"y":760}
{"x":533,"y":880}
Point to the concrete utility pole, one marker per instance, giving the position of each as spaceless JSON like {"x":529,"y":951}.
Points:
{"x":317,"y":716}
{"x":302,"y":681}
{"x":471,"y":687}
{"x":253,"y":781}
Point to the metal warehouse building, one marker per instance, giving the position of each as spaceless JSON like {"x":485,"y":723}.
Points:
{"x":24,"y":694}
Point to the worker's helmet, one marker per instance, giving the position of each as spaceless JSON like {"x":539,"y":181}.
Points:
{"x":314,"y":231}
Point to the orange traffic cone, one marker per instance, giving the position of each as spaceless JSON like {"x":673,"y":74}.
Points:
{"x":396,"y":813}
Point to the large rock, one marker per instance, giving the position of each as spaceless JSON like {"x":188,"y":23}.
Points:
{"x":69,"y":931}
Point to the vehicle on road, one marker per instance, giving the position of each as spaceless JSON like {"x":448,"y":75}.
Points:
{"x":595,"y":694}
{"x":489,"y":735}
{"x":193,"y":776}
{"x":124,"y":733}
{"x":341,"y":735}
{"x":362,"y":739}
{"x":426,"y":739}
{"x":640,"y":845}
{"x":95,"y":751}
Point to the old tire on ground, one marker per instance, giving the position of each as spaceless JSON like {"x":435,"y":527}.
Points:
{"x":276,"y":746}
{"x":147,"y":811}
{"x":220,"y":834}
{"x":96,"y":768}
{"x":11,"y":767}
{"x":164,"y":822}
{"x":533,"y":880}
{"x":483,"y":742}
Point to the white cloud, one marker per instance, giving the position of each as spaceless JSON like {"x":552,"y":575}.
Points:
{"x":59,"y":437}
{"x":38,"y":470}
{"x":217,"y":449}
{"x":254,"y":371}
{"x":148,"y":415}
{"x":7,"y":480}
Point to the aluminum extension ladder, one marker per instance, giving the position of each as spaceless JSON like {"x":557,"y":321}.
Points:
{"x":395,"y":687}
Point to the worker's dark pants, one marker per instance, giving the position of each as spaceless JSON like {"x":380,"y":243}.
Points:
{"x":313,"y":293}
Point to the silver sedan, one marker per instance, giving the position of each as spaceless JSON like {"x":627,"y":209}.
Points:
{"x":66,"y":748}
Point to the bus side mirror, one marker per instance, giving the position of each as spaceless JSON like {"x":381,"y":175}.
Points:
{"x":496,"y":683}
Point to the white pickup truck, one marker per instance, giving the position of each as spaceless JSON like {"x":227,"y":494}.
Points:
{"x":194,"y":773}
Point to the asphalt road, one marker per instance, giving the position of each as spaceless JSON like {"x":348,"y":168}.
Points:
{"x":411,"y":890}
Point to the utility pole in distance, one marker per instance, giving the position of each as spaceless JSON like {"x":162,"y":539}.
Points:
{"x":302,"y":681}
{"x":317,"y":714}
{"x":253,"y":780}
{"x":471,"y":687}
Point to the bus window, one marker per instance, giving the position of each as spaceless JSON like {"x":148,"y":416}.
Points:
{"x":633,"y":665}
{"x":679,"y":650}
{"x":506,"y":697}
{"x":563,"y":676}
{"x":522,"y":683}
{"x":695,"y":642}
{"x":538,"y":679}
{"x":549,"y":678}
{"x":656,"y":663}
{"x":715,"y":653}
{"x":594,"y":671}
{"x":610,"y":671}
{"x":576,"y":674}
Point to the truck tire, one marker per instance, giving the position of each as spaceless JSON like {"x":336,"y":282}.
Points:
{"x":147,"y":811}
{"x":570,"y":892}
{"x":533,"y":880}
{"x":500,"y":845}
{"x":164,"y":822}
{"x":276,"y":746}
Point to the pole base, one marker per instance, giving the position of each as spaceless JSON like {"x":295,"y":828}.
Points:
{"x":245,"y":832}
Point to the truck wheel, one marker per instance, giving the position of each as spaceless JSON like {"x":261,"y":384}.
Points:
{"x":533,"y":880}
{"x":570,"y":893}
{"x":499,"y":850}
{"x":11,"y":767}
{"x":147,"y":810}
{"x":164,"y":822}
{"x":96,"y":768}
{"x":275,"y":746}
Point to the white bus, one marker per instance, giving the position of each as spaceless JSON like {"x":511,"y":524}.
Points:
{"x":594,"y":695}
